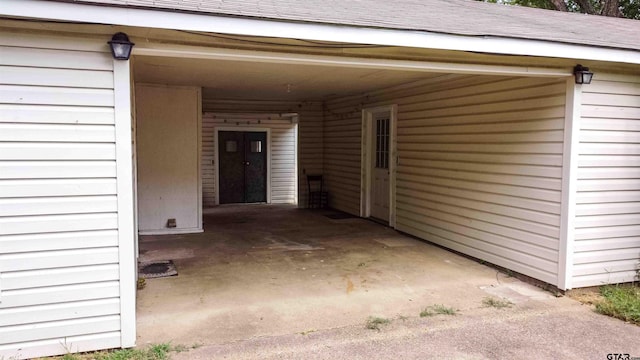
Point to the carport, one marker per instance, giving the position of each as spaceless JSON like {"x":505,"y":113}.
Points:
{"x":473,"y":161}
{"x":467,"y":156}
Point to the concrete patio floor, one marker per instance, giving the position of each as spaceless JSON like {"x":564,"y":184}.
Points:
{"x":263,"y":271}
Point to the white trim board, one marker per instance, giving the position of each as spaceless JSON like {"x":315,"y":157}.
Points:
{"x":569,"y":184}
{"x":198,"y":52}
{"x":296,"y":121}
{"x":216,"y":164}
{"x":126,"y":218}
{"x":171,"y":231}
{"x":366,"y":160}
{"x":96,"y":14}
{"x":199,"y":161}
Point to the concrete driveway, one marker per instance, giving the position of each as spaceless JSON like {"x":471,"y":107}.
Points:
{"x":558,"y":329}
{"x":279,"y":282}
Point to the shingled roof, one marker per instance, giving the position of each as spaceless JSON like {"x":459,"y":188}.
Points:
{"x":459,"y":17}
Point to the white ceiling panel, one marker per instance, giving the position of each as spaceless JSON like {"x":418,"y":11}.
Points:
{"x":249,"y":80}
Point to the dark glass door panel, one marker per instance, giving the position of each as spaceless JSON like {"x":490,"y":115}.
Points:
{"x":256,"y":167}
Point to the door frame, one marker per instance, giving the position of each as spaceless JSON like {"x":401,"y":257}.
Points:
{"x":216,"y":165}
{"x":366,"y":160}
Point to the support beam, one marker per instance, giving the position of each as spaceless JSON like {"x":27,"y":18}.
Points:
{"x":192,"y":52}
{"x":124,"y":183}
{"x":569,"y":184}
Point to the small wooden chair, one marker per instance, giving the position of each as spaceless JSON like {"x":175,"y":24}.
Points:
{"x":317,"y":197}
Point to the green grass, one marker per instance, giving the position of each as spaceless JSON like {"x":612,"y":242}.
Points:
{"x":374,"y":322}
{"x":437,"y":310}
{"x":496,"y":303}
{"x":153,"y":352}
{"x":620,"y":301}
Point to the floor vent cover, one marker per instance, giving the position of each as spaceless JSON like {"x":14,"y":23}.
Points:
{"x":157,"y":269}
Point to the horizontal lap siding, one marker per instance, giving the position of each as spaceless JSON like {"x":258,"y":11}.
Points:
{"x":480,"y":164}
{"x":607,"y":235}
{"x":309,"y":144}
{"x":58,"y":201}
{"x":342,"y":143}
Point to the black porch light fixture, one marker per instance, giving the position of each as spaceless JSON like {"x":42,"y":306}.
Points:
{"x":582,"y":74}
{"x":120,"y":46}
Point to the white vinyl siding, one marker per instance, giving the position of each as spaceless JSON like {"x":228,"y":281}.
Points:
{"x":607,"y":225}
{"x":309,"y":141}
{"x":479,"y":165}
{"x":59,"y":250}
{"x":283,"y":148}
{"x":341,"y":156}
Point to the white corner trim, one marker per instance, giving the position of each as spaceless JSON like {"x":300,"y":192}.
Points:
{"x":365,"y":160}
{"x":569,"y":184}
{"x":295,"y":119}
{"x":393,"y":165}
{"x":40,"y":9}
{"x":124,"y":183}
{"x":199,"y":134}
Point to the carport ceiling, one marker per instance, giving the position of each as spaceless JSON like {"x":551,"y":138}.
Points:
{"x":253,"y":80}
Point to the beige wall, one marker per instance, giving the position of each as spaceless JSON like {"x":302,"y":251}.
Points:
{"x":607,"y":234}
{"x":480,"y":164}
{"x":168,"y":153}
{"x":309,"y":130}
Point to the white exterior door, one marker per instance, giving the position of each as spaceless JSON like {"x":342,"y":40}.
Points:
{"x":380,"y":165}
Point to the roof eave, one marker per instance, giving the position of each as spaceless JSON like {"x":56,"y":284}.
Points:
{"x":137,"y":17}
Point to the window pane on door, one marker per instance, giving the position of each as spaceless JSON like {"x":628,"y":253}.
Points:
{"x":231,"y":146}
{"x":382,"y":143}
{"x":256,"y":146}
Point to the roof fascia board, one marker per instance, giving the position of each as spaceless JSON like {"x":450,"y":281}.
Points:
{"x":192,"y":52}
{"x":162,"y":19}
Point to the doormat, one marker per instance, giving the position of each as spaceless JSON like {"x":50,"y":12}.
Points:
{"x":340,"y":216}
{"x":157,"y":269}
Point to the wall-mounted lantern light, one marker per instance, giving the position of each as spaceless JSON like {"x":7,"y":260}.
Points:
{"x":120,"y":46}
{"x":582,"y":74}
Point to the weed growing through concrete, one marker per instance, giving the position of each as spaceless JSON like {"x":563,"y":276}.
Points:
{"x":142,"y":283}
{"x":508,"y":272}
{"x":374,"y":322}
{"x":496,"y":303}
{"x":437,"y":309}
{"x":183,"y":348}
{"x":153,"y":352}
{"x":620,"y":301}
